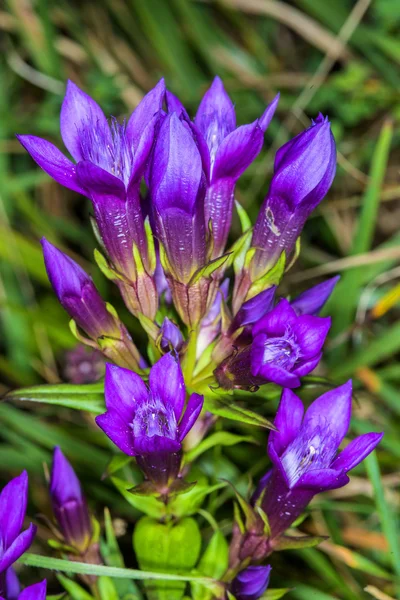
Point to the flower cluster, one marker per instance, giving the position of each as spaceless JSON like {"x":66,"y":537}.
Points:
{"x":162,"y":188}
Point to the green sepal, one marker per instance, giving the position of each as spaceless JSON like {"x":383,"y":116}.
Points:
{"x":151,"y":249}
{"x":206,"y":271}
{"x":61,"y":547}
{"x":81,"y":338}
{"x":239,"y":251}
{"x":105,"y":268}
{"x":245,"y":221}
{"x":149,"y":326}
{"x":275,"y":594}
{"x":237,"y":517}
{"x":272,"y":277}
{"x":295,"y":256}
{"x":112,"y":311}
{"x":148,"y":505}
{"x":287,"y":542}
{"x":264,"y":517}
{"x":96,"y":528}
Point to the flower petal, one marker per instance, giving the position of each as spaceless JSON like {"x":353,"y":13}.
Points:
{"x":356,"y":451}
{"x":287,"y":421}
{"x":322,"y":480}
{"x":305,"y":367}
{"x":215,"y":116}
{"x":96,"y":180}
{"x":273,"y":373}
{"x":175,"y":105}
{"x":237,"y":151}
{"x":255,"y":308}
{"x":118,"y":431}
{"x":17,"y":548}
{"x":124,"y":390}
{"x":275,"y":322}
{"x":311,"y":333}
{"x":13,"y":501}
{"x":37,"y":591}
{"x":334,"y":409}
{"x":64,"y":484}
{"x":193,"y":409}
{"x":52,"y":161}
{"x":157,"y":443}
{"x":12,"y":585}
{"x":167,"y":383}
{"x":144,"y":112}
{"x":78,"y":112}
{"x":312,"y":301}
{"x":268,"y":113}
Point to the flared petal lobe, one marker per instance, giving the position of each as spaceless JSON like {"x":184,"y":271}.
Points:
{"x":37,"y":591}
{"x":313,"y":300}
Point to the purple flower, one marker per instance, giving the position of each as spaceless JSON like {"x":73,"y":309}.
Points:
{"x":150,"y":423}
{"x":285,"y":347}
{"x":79,"y":297}
{"x":303,"y":173}
{"x":110,"y":161}
{"x":227,"y":152}
{"x":13,"y":542}
{"x":37,"y":591}
{"x":171,"y":337}
{"x":312,"y":301}
{"x":303,"y":451}
{"x":69,"y":504}
{"x":251,"y":583}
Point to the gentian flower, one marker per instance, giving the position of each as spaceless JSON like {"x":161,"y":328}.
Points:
{"x":303,"y":173}
{"x":313,"y":300}
{"x":69,"y":504}
{"x":110,"y":162}
{"x":150,"y":423}
{"x":251,"y":583}
{"x":13,"y":542}
{"x":170,"y":337}
{"x":78,"y":295}
{"x":227,"y":152}
{"x":37,"y":591}
{"x":285,"y":347}
{"x":303,"y":451}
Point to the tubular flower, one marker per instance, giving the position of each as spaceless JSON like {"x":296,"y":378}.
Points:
{"x":303,"y":173}
{"x":79,"y":297}
{"x":69,"y":504}
{"x":13,"y":542}
{"x":312,"y":301}
{"x":251,"y":583}
{"x":227,"y":152}
{"x":110,"y":162}
{"x":150,"y":423}
{"x":285,"y":347}
{"x":37,"y":591}
{"x":303,"y":451}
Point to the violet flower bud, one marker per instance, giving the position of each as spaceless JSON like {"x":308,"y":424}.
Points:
{"x":79,"y":297}
{"x":303,"y":451}
{"x":312,"y":301}
{"x":13,"y":503}
{"x":110,"y":162}
{"x":150,"y":423}
{"x":285,"y":347}
{"x":170,"y":337}
{"x":37,"y":591}
{"x":251,"y":583}
{"x":303,"y":173}
{"x":69,"y":504}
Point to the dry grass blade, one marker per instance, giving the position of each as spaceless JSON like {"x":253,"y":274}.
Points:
{"x":378,"y":594}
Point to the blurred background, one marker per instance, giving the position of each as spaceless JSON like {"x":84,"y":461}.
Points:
{"x":341,"y":58}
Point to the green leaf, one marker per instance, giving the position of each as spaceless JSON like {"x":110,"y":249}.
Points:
{"x":118,"y":462}
{"x":224,"y":407}
{"x":221,"y":438}
{"x":145,"y":504}
{"x":76,"y":591}
{"x":88,"y":397}
{"x":188,"y":504}
{"x":166,"y":548}
{"x":213,"y":563}
{"x":107,"y":589}
{"x":287,"y":542}
{"x":275,"y":594}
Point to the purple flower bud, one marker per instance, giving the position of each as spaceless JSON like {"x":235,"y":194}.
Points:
{"x":303,"y":451}
{"x":251,"y":583}
{"x":78,"y":294}
{"x":303,"y":173}
{"x":171,"y":337}
{"x":177,"y":188}
{"x":37,"y":591}
{"x":312,"y":301}
{"x":210,"y":325}
{"x":13,"y":502}
{"x":150,"y":423}
{"x":69,"y":504}
{"x":285,"y":347}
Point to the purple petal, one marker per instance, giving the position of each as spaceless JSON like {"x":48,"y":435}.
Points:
{"x":65,"y":275}
{"x":356,"y":451}
{"x":237,"y":151}
{"x":96,"y":180}
{"x":175,"y":105}
{"x":156,"y":443}
{"x":218,"y":207}
{"x":64,"y":484}
{"x":275,"y":322}
{"x":143,"y":149}
{"x":268,"y":113}
{"x":52,"y":161}
{"x":288,"y":421}
{"x":118,"y":430}
{"x":334,"y":409}
{"x":12,"y":585}
{"x":215,"y":116}
{"x":13,"y":501}
{"x":311,"y":333}
{"x":304,"y":368}
{"x":79,"y":112}
{"x":275,"y":374}
{"x":312,"y":301}
{"x":253,"y":310}
{"x":17,"y":548}
{"x":37,"y":591}
{"x":144,"y":112}
{"x":171,"y":336}
{"x":251,"y":583}
{"x":166,"y":382}
{"x":124,"y":390}
{"x":322,"y":480}
{"x":193,"y":409}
